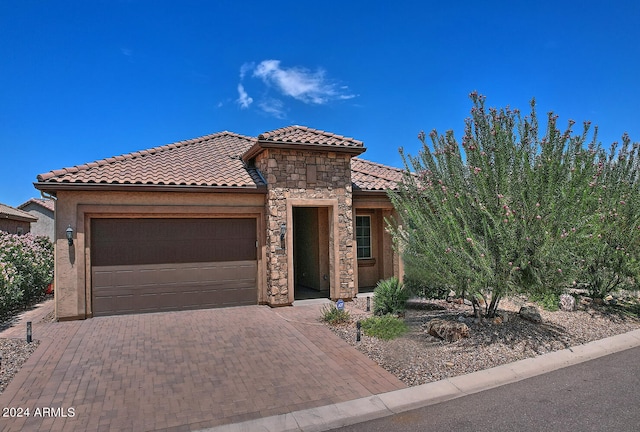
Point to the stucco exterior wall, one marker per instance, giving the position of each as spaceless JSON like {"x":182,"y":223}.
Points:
{"x":385,"y":261}
{"x":77,"y":208}
{"x":45,"y":225}
{"x":11,"y":226}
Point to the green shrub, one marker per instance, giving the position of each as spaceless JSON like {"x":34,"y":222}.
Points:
{"x":390,"y":297}
{"x":333,"y":315}
{"x":548,"y":300}
{"x":384,"y":327}
{"x":26,"y":268}
{"x":517,"y":206}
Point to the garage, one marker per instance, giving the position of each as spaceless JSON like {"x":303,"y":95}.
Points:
{"x":162,"y":264}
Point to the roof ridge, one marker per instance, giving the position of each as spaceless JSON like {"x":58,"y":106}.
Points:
{"x":132,"y":155}
{"x":40,"y":201}
{"x":264,"y":135}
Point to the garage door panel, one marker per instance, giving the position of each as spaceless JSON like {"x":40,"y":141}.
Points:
{"x":158,"y":241}
{"x":153,"y":264}
{"x":154,"y":288}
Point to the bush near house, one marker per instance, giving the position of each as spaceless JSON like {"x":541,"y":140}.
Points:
{"x":384,"y":327}
{"x":333,"y":315}
{"x":512,"y":209}
{"x":26,"y":268}
{"x":390,"y":297}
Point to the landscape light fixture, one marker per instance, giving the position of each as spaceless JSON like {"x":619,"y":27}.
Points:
{"x":29,"y":334}
{"x":70,"y":235}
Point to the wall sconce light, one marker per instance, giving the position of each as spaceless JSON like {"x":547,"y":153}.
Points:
{"x":70,"y":235}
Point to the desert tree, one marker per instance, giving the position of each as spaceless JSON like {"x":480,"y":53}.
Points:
{"x":511,"y":208}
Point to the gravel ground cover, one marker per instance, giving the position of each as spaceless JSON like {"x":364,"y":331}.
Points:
{"x":15,"y":352}
{"x":418,"y":358}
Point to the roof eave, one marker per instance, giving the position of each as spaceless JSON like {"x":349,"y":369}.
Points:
{"x":372,"y":192}
{"x":259,"y":146}
{"x":50,"y":187}
{"x":18,"y":218}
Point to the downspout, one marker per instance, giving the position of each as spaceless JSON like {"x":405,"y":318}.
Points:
{"x":45,"y":195}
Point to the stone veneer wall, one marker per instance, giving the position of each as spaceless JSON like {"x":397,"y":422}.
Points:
{"x":310,"y":175}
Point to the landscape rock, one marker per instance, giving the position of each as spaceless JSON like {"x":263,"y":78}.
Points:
{"x":530,"y":313}
{"x":448,"y":330}
{"x":567,"y":302}
{"x":504,"y":315}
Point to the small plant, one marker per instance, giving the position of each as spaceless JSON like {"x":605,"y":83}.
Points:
{"x":390,"y":297}
{"x":548,"y":300}
{"x":333,"y":315}
{"x":384,"y":327}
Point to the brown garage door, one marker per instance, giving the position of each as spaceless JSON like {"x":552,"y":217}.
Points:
{"x":154,"y":265}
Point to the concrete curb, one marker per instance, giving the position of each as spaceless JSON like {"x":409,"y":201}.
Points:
{"x":385,"y":404}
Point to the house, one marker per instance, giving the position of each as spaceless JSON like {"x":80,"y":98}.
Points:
{"x":43,"y":211}
{"x":15,"y":221}
{"x":221,"y":220}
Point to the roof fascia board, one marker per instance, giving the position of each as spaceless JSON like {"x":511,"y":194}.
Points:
{"x":54,"y":187}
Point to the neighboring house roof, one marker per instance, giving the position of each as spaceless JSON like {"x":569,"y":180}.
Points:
{"x":46,"y":203}
{"x":216,"y":160}
{"x":8,"y":212}
{"x":372,"y":176}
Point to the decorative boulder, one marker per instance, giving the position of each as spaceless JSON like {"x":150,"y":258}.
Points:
{"x":448,"y":330}
{"x":530,"y":313}
{"x":567,"y":303}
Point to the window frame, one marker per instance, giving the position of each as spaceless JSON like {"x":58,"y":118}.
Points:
{"x":361,"y":236}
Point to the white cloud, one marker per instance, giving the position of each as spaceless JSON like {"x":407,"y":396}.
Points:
{"x":126,"y":52}
{"x":300,"y":83}
{"x":247,"y":67}
{"x":273,"y":107}
{"x":244,"y":100}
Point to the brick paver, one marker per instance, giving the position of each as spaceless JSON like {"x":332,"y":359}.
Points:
{"x":184,"y":371}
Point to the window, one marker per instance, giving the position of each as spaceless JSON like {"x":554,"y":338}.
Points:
{"x":363,"y":236}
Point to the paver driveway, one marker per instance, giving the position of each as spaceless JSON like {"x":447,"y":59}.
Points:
{"x":185,"y":371}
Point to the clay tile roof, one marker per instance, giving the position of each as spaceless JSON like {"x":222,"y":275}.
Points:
{"x":212,"y":160}
{"x":371,"y":176}
{"x":46,"y":203}
{"x":305,"y":135}
{"x":8,"y":212}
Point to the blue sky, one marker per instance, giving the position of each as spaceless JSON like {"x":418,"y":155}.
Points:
{"x":85,"y":80}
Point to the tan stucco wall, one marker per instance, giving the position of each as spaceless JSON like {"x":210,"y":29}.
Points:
{"x":386,"y":262}
{"x":76,"y":208}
